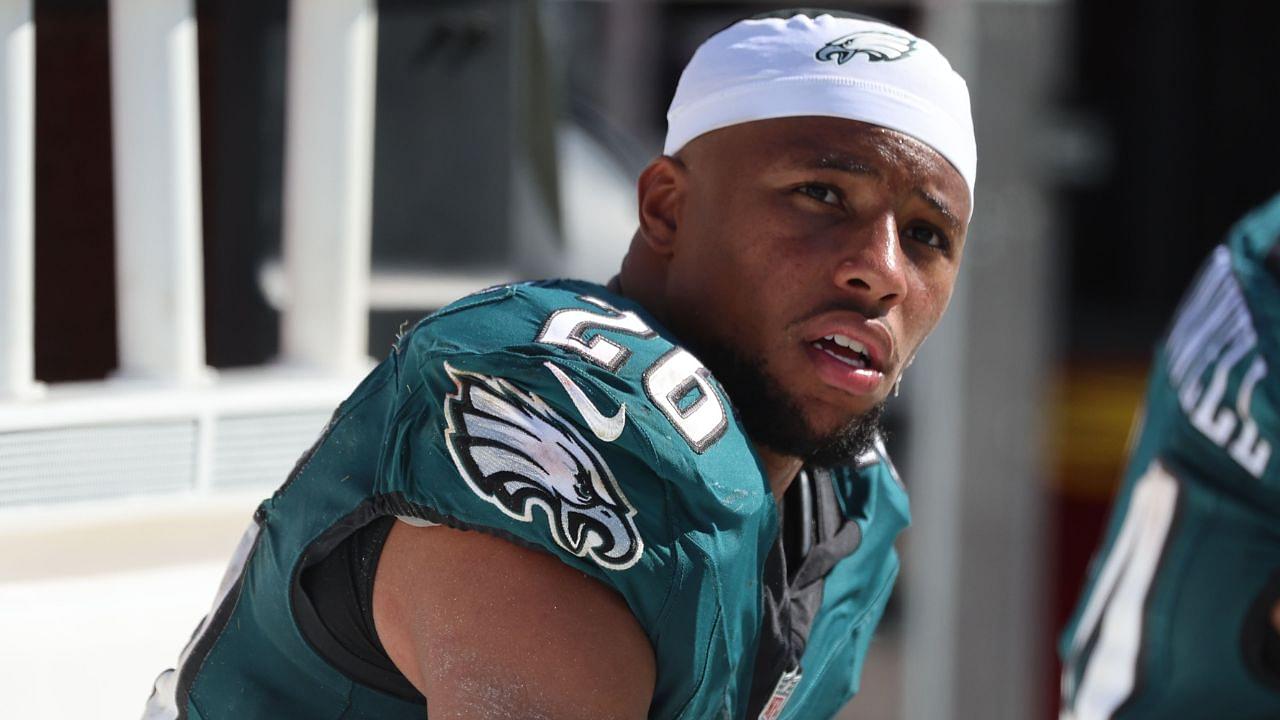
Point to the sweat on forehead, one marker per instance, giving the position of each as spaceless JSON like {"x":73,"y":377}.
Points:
{"x":821,"y":64}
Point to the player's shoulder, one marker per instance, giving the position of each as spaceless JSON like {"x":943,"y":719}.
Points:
{"x":1213,"y":405}
{"x":568,"y":364}
{"x":503,"y":317}
{"x":1255,"y":239}
{"x":1253,"y":246}
{"x":570,"y":321}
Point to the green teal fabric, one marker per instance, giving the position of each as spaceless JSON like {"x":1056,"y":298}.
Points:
{"x":854,"y":596}
{"x":703,"y":517}
{"x":1210,"y":423}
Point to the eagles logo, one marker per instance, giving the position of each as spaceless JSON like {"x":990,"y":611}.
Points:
{"x":517,"y":453}
{"x":877,"y":45}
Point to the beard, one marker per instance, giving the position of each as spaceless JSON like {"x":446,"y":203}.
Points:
{"x":775,"y":419}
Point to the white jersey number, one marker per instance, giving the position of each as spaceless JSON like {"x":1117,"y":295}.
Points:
{"x":677,"y":383}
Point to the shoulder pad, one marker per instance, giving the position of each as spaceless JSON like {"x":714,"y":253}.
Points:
{"x":1256,"y":238}
{"x":569,"y":458}
{"x":572,"y":421}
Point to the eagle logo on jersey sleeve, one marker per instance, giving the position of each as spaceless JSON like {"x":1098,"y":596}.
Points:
{"x":518,"y":453}
{"x":877,"y":45}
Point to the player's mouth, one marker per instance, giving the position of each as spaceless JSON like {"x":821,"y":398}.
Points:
{"x":846,"y":363}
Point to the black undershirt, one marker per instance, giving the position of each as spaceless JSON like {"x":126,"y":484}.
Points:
{"x":813,"y":536}
{"x":340,"y":588}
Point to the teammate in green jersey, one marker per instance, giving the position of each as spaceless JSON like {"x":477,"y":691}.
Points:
{"x":1181,"y":617}
{"x":544,"y":504}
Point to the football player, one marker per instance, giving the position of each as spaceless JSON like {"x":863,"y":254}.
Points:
{"x":665,"y":497}
{"x":1181,"y":614}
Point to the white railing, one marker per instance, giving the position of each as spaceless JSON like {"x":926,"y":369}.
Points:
{"x":328,"y":195}
{"x":155,"y":120}
{"x":165,"y":422}
{"x":17,"y":204}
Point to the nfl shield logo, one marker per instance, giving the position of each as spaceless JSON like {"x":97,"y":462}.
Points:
{"x":781,"y":694}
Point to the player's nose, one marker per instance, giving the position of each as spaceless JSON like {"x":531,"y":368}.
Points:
{"x":872,"y":265}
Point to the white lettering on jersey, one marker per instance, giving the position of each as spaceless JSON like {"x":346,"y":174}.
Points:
{"x":1214,"y":329}
{"x":676,"y":376}
{"x":676,"y":383}
{"x":568,"y":329}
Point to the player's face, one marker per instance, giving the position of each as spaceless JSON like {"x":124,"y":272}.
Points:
{"x":823,"y":251}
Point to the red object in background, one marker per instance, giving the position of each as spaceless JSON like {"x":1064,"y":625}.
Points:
{"x":1094,"y":407}
{"x":1078,"y":526}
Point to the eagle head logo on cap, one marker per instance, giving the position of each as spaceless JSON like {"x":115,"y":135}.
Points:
{"x":877,"y":45}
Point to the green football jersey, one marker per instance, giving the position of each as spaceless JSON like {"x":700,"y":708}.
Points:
{"x":563,"y":418}
{"x":1174,"y":620}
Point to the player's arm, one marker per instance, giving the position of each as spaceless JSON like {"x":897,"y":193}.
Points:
{"x":487,"y":629}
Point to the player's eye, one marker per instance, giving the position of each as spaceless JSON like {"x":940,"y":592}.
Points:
{"x":928,"y":235}
{"x":822,"y":193}
{"x":582,"y":488}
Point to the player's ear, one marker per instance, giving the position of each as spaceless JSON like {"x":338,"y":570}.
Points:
{"x":661,"y":191}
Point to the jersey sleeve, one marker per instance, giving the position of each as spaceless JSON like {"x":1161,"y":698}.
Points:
{"x":552,"y":452}
{"x":551,"y":481}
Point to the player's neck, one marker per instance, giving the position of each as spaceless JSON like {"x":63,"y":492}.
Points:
{"x":780,"y":469}
{"x":642,"y":278}
{"x":635,"y":281}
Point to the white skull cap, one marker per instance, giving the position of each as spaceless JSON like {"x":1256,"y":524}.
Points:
{"x":831,"y":65}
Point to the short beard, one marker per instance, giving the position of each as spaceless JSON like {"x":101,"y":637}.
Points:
{"x":776,"y":420}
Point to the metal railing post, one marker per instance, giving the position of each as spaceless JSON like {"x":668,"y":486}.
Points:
{"x":17,"y":201}
{"x":328,"y":183}
{"x":155,"y":127}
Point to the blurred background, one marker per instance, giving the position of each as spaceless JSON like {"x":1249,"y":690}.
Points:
{"x":215,"y":216}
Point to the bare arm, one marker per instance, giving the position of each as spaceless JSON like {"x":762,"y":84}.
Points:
{"x":487,"y":629}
